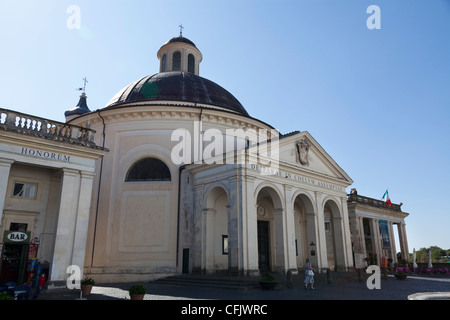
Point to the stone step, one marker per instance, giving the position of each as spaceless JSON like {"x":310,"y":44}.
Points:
{"x":233,"y":282}
{"x":209,"y":281}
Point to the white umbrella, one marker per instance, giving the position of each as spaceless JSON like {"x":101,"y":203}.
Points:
{"x":414,"y":258}
{"x":429,"y":259}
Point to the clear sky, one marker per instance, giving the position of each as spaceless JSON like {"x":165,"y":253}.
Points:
{"x":377,"y":100}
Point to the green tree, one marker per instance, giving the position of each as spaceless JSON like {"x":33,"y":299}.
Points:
{"x":436,"y":253}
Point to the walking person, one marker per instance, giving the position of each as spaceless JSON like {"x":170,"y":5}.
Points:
{"x":309,"y":275}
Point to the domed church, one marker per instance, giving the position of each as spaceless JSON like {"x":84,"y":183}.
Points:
{"x":194,"y":184}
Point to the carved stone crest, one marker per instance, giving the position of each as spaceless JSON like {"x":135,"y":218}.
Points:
{"x":302,"y":147}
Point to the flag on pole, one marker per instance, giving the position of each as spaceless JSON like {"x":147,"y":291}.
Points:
{"x":386,"y":198}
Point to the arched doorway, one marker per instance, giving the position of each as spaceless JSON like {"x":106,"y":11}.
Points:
{"x":304,"y":220}
{"x":215,"y":215}
{"x":271,"y":246}
{"x":333,"y":235}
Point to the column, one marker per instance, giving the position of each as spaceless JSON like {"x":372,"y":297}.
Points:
{"x":198,"y":230}
{"x":321,"y":242}
{"x":234,"y":239}
{"x":348,"y":257}
{"x":403,"y":241}
{"x":289,"y":231}
{"x":65,"y":232}
{"x":5,"y":168}
{"x":392,"y":241}
{"x":359,"y":243}
{"x":250,"y":228}
{"x":362,"y":235}
{"x":376,"y":240}
{"x":82,"y":218}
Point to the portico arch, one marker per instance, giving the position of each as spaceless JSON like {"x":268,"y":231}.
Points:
{"x":272,"y":249}
{"x":334,"y":234}
{"x":305,"y":228}
{"x":215,"y":229}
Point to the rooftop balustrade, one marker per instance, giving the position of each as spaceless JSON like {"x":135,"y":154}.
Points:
{"x":47,"y":129}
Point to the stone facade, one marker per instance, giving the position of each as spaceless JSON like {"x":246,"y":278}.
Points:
{"x":293,"y":201}
{"x":219,"y":205}
{"x":191,"y":184}
{"x":372,"y":225}
{"x":47,"y":170}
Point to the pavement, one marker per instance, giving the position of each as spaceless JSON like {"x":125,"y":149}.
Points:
{"x":335,"y":286}
{"x":227,"y":297}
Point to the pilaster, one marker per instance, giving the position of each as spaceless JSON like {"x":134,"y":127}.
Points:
{"x":198,"y":230}
{"x":348,"y":256}
{"x":5,"y":168}
{"x":67,"y":219}
{"x":250,"y":228}
{"x":82,"y":218}
{"x":321,"y":243}
{"x":234,"y":234}
{"x":289,"y":231}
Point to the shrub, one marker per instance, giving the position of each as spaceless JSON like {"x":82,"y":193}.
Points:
{"x":137,"y":289}
{"x":87,"y":281}
{"x":267,"y":278}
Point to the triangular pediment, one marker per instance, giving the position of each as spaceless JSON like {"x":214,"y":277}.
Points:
{"x":302,"y":151}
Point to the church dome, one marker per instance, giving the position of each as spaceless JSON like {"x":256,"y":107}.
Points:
{"x":176,"y":86}
{"x":180,"y":39}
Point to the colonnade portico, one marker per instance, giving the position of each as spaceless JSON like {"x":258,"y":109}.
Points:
{"x":58,"y":162}
{"x":237,"y":207}
{"x":373,"y":230}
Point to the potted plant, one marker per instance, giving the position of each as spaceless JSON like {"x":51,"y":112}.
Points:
{"x":400,"y":275}
{"x":268,"y":282}
{"x":137,"y":292}
{"x":86,"y":286}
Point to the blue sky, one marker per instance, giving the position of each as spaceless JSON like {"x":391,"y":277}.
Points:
{"x":378,"y":101}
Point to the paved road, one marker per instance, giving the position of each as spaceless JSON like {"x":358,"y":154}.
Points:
{"x":195,"y":302}
{"x":346,"y":289}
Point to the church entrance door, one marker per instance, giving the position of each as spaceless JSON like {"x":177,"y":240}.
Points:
{"x":263,"y":246}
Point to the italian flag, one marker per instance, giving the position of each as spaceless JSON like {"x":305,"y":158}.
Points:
{"x":386,"y":198}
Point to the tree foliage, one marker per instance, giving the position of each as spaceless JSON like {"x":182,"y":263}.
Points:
{"x":437,"y":254}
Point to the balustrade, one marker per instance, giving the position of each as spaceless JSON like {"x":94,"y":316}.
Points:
{"x":44,"y":128}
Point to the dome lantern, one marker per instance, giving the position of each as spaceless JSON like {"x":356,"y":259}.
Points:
{"x":179,"y":54}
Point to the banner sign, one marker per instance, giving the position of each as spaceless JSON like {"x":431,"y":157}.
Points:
{"x":385,"y":234}
{"x":16,"y":237}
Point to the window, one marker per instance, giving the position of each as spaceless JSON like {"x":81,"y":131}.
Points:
{"x":176,"y":61}
{"x":224,"y":244}
{"x":191,"y":63}
{"x":25,"y":190}
{"x":163,"y":63}
{"x":15,"y":226}
{"x":148,"y":169}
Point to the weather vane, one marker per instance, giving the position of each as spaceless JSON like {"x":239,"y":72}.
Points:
{"x":84,"y":86}
{"x":181,"y":30}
